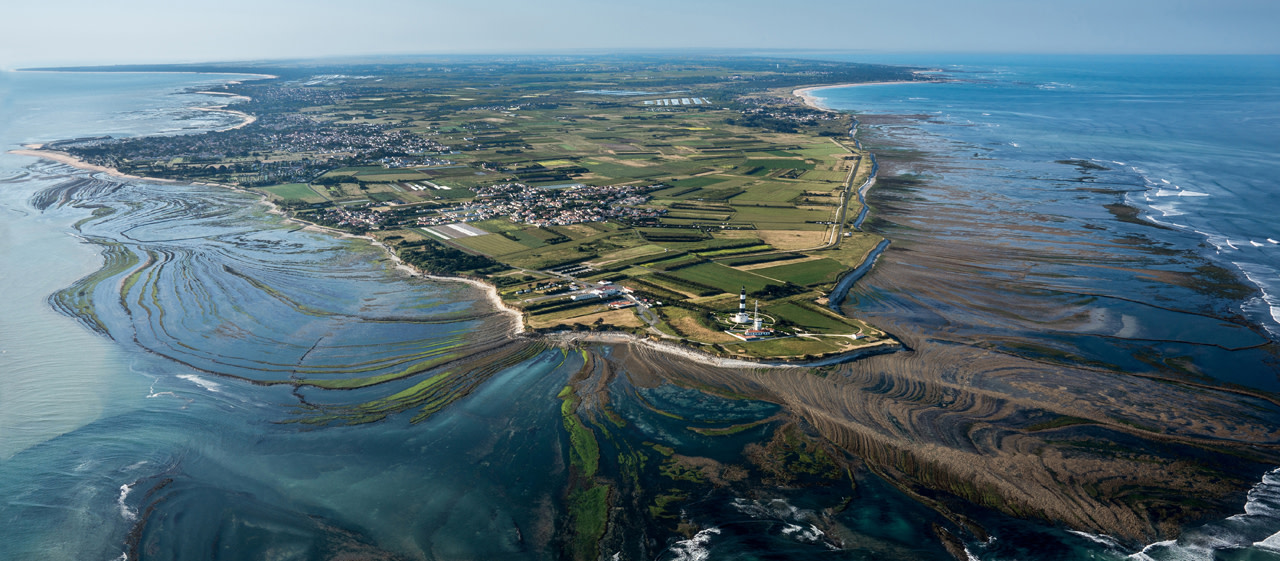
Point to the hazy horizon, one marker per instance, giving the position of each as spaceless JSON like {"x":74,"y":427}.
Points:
{"x":149,"y":32}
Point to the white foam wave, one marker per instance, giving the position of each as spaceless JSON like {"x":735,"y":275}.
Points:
{"x":125,"y":511}
{"x":1272,"y":543}
{"x":1273,"y":241}
{"x":1256,"y":244}
{"x":1179,"y":193}
{"x":1168,"y":210}
{"x":206,"y":384}
{"x":1097,"y":538}
{"x":1261,"y":517}
{"x":695,"y":548}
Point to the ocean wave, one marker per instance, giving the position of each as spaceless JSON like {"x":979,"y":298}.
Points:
{"x":1258,"y":277}
{"x":206,"y":384}
{"x":126,"y":512}
{"x":1179,"y":193}
{"x":1253,"y":528}
{"x":1101,"y":539}
{"x":1168,"y":209}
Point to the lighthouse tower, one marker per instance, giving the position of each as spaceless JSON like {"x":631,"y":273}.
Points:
{"x":742,"y":316}
{"x":756,"y":326}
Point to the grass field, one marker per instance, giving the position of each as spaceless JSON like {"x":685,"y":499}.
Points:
{"x":630,"y":253}
{"x":814,"y":272}
{"x":390,"y":176}
{"x":789,"y":347}
{"x":776,"y":191}
{"x":815,"y":320}
{"x":722,"y":277}
{"x":490,"y":244}
{"x":498,"y":225}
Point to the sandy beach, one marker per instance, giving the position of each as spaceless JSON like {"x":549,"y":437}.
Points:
{"x":36,"y":151}
{"x":247,"y":118}
{"x":811,"y":100}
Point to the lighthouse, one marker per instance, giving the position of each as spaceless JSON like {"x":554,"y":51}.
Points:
{"x":757,"y":331}
{"x":742,"y":316}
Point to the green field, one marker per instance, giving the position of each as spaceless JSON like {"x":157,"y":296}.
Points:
{"x":701,"y":181}
{"x":817,"y":321}
{"x":498,"y":225}
{"x":776,"y":191}
{"x":490,"y":244}
{"x":391,"y":176}
{"x":722,"y":277}
{"x":819,"y":271}
{"x":778,"y":164}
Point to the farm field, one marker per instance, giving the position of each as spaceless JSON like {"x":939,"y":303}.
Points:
{"x":716,"y":200}
{"x":818,"y":271}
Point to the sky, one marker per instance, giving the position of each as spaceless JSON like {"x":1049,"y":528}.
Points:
{"x":67,"y":32}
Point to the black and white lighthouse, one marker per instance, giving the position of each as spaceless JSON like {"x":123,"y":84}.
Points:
{"x":742,"y":316}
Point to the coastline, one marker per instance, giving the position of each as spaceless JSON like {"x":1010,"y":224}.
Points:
{"x":806,"y":93}
{"x":491,"y":292}
{"x":247,"y":118}
{"x":518,"y":328}
{"x":38,"y":151}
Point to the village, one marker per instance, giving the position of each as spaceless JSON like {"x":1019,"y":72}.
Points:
{"x":524,"y":204}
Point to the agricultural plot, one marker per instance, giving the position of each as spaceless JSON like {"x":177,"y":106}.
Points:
{"x":296,"y":191}
{"x":630,"y":253}
{"x":824,"y":175}
{"x":773,"y":192}
{"x":497,"y":225}
{"x":493,"y":245}
{"x":817,"y":320}
{"x":782,"y":218}
{"x":724,"y":278}
{"x":779,"y":163}
{"x":807,"y":273}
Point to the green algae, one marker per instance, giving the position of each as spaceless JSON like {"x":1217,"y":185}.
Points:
{"x":584,"y":450}
{"x":429,"y":396}
{"x":77,"y":300}
{"x":589,"y":516}
{"x":661,"y":503}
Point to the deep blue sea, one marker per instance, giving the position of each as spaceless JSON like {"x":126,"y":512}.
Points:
{"x":149,"y":415}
